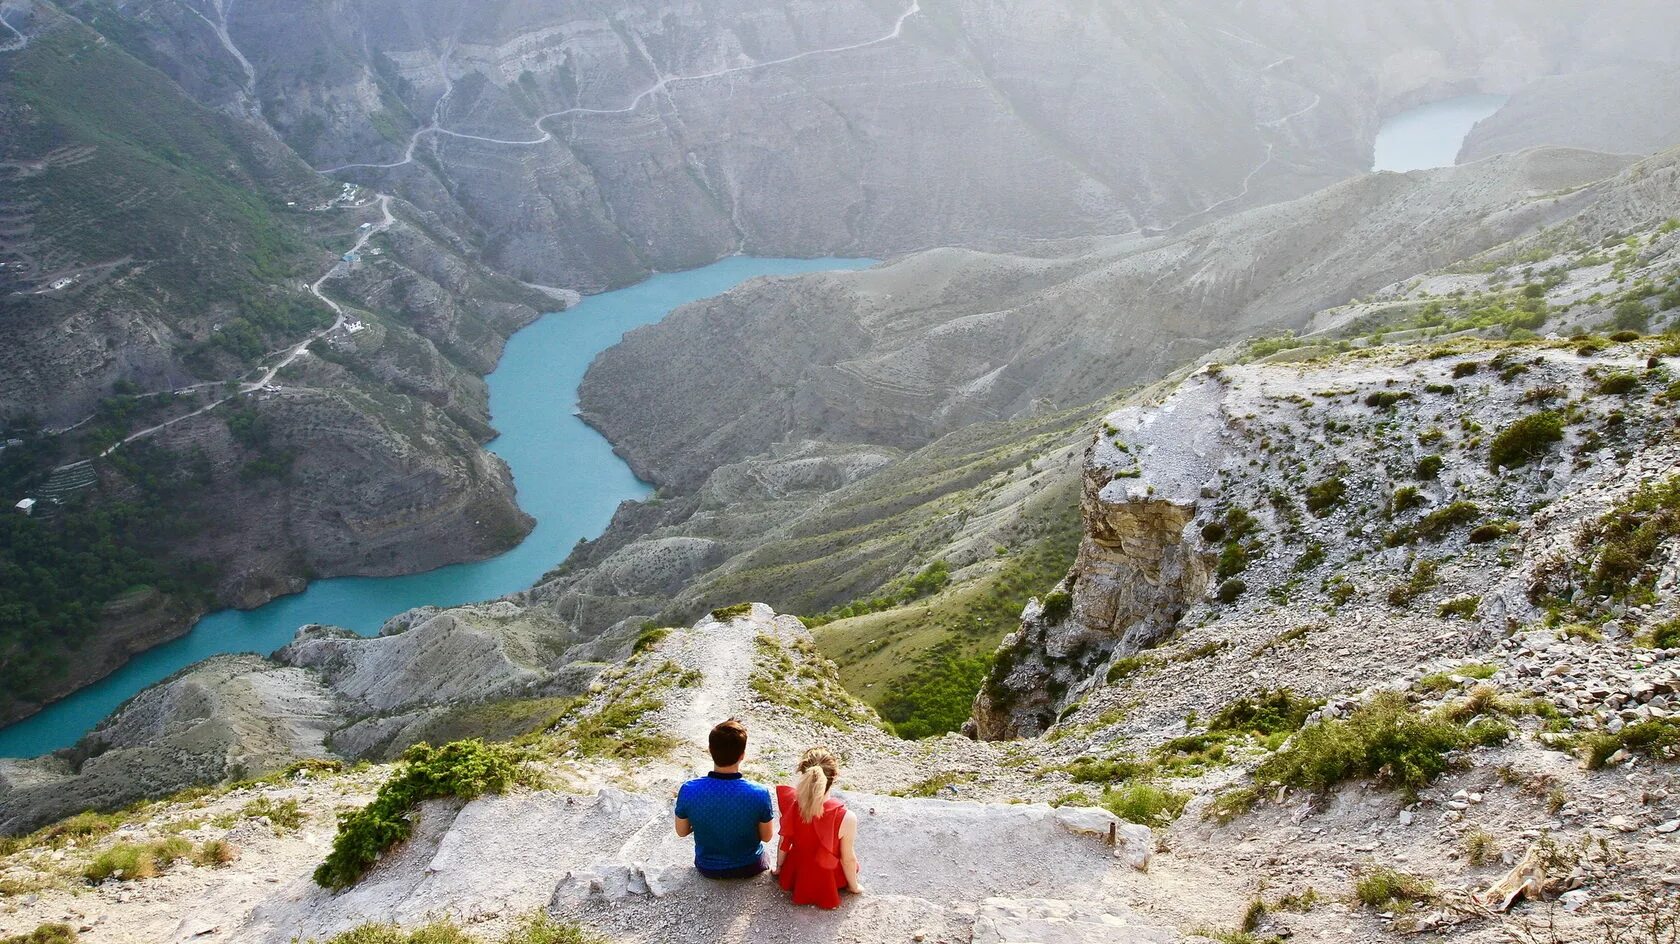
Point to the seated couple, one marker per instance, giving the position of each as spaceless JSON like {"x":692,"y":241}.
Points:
{"x":729,"y":818}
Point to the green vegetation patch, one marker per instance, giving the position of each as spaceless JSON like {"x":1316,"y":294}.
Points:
{"x":1146,"y":803}
{"x":1385,"y":889}
{"x":132,"y":861}
{"x":1525,"y":440}
{"x":807,"y":685}
{"x":45,"y":934}
{"x":1385,"y":739}
{"x":1658,"y":739}
{"x":724,"y":614}
{"x":462,"y":770}
{"x":1622,"y":547}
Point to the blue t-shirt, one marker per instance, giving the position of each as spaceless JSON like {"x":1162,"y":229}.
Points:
{"x":724,"y":811}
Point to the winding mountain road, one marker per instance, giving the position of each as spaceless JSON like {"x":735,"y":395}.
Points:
{"x":290,"y":354}
{"x":663,"y":83}
{"x":19,"y":40}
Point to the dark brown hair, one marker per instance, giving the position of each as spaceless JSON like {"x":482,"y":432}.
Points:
{"x":728,"y":743}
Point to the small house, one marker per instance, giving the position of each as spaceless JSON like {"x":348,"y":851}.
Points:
{"x":26,"y":506}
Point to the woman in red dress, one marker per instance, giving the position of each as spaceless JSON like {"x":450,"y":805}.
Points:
{"x":816,"y":858}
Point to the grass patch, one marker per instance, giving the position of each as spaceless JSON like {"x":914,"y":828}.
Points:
{"x":463,"y":770}
{"x":285,"y":816}
{"x":1623,"y":545}
{"x":1386,"y":889}
{"x":45,"y":934}
{"x":1658,"y":739}
{"x":132,"y":861}
{"x":807,"y":685}
{"x":936,"y":784}
{"x":1145,"y":803}
{"x":724,"y":614}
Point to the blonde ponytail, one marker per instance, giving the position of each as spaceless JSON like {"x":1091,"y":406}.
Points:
{"x":818,"y":770}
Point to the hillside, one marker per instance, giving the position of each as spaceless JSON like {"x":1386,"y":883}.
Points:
{"x":183,"y":376}
{"x":589,"y":144}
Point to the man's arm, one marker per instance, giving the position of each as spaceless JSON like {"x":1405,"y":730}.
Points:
{"x":681,"y":813}
{"x":764,"y":831}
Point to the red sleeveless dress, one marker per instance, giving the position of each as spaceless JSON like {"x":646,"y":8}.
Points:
{"x":812,"y":869}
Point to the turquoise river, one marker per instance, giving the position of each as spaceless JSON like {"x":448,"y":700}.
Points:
{"x":567,"y":475}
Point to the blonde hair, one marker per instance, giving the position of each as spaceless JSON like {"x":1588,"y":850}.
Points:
{"x":818,"y":769}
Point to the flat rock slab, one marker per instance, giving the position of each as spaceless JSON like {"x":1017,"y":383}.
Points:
{"x":941,"y":869}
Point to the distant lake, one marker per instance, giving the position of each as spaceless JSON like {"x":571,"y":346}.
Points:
{"x":1431,"y":135}
{"x":567,"y":475}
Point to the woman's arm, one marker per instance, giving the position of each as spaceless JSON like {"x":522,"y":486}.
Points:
{"x":848,"y":852}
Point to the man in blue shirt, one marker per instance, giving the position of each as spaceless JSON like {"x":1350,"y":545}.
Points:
{"x":728,"y":816}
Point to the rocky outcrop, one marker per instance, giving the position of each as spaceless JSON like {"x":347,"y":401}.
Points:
{"x":1141,"y":563}
{"x":327,"y":694}
{"x":227,"y":717}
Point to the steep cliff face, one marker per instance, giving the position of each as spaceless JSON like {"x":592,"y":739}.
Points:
{"x":1141,"y":564}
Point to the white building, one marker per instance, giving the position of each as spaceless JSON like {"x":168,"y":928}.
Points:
{"x":27,"y":506}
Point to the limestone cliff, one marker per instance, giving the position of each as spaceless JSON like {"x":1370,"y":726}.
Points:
{"x":1140,"y":566}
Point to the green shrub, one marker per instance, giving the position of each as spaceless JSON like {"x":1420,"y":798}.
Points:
{"x":1145,"y":803}
{"x":1386,"y":399}
{"x":1233,"y":560}
{"x":1664,"y":635}
{"x":463,"y":769}
{"x":1272,"y":712}
{"x":1323,"y":496}
{"x":1405,"y":498}
{"x":1231,"y":589}
{"x":1429,"y":468}
{"x":437,"y":932}
{"x":1127,"y":665}
{"x":1492,"y":531}
{"x":1525,"y":440}
{"x":1057,"y":605}
{"x":651,"y":634}
{"x":1623,"y":543}
{"x":1388,"y":890}
{"x":1385,"y":738}
{"x":1438,"y":523}
{"x":45,"y":934}
{"x":1465,"y":369}
{"x":1618,"y":383}
{"x":1106,"y":769}
{"x":1461,"y":608}
{"x":724,"y":614}
{"x":1424,"y":576}
{"x":1231,"y":804}
{"x":1310,"y":558}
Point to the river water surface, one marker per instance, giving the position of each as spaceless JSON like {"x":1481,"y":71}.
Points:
{"x":567,"y":475}
{"x":1431,"y":135}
